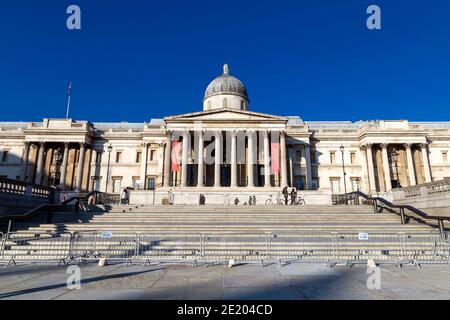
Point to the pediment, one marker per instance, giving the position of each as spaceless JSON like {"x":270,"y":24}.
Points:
{"x":225,"y":115}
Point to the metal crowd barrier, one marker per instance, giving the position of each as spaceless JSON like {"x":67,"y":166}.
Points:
{"x":36,"y":247}
{"x":334,"y":247}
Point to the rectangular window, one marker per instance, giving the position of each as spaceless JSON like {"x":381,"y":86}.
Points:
{"x":96,"y":184}
{"x":136,"y":183}
{"x":117,"y":184}
{"x":98,"y":157}
{"x":138,"y":156}
{"x":355,"y":183}
{"x":332,"y":157}
{"x":298,"y":156}
{"x":152,"y":155}
{"x":150,"y":183}
{"x":5,"y":156}
{"x":118,"y":156}
{"x":352,"y":157}
{"x":444,"y":157}
{"x":335,"y":182}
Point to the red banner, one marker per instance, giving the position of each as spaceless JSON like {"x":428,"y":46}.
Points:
{"x":275,"y":157}
{"x":176,"y":156}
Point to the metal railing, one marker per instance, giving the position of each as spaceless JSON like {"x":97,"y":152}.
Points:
{"x":48,"y":209}
{"x":329,"y":247}
{"x":406,"y":212}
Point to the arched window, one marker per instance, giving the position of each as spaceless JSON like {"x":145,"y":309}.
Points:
{"x":225,"y":103}
{"x":242,"y":105}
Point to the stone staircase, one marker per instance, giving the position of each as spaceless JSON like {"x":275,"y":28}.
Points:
{"x":250,"y":233}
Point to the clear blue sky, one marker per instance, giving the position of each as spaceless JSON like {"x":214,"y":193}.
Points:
{"x":135,"y":60}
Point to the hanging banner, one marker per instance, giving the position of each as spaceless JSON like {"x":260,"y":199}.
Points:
{"x":275,"y":147}
{"x":176,"y":156}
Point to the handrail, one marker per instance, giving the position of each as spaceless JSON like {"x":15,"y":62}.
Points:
{"x":402,"y":207}
{"x":49,"y":206}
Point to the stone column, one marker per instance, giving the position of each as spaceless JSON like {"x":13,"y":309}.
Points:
{"x":250,"y":164}
{"x":386,"y":168}
{"x":167,"y":156}
{"x":426,"y":163}
{"x":266,"y":160}
{"x":292,"y":154}
{"x":24,"y":169}
{"x":80,"y":167}
{"x":63,"y":169}
{"x":201,"y":163}
{"x":218,"y":158}
{"x":370,"y":165}
{"x":143,"y":175}
{"x":40,"y":163}
{"x":364,"y":168}
{"x":184,"y":159}
{"x":410,"y":161}
{"x":284,"y":180}
{"x":308,"y":167}
{"x":233,"y":160}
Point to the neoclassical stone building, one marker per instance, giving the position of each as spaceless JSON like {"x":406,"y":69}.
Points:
{"x":258,"y":152}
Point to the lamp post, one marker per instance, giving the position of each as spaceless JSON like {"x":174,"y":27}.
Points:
{"x":394,"y":159}
{"x":107,"y":170}
{"x":342,"y":148}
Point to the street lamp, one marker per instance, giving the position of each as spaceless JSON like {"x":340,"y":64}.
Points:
{"x":342,"y":148}
{"x":394,"y":159}
{"x":107,"y":170}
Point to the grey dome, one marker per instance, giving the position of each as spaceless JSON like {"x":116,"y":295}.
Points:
{"x":227,"y":84}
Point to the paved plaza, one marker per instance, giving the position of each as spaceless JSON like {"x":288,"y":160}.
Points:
{"x":294,"y":281}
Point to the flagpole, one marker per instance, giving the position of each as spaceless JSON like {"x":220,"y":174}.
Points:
{"x":69,"y":94}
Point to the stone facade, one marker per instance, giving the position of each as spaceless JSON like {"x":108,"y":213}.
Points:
{"x":83,"y":156}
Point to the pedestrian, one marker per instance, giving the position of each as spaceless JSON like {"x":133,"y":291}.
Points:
{"x":236,"y":201}
{"x":124,"y":196}
{"x":293,"y":196}
{"x":286,"y":195}
{"x":254,"y":200}
{"x":250,"y":200}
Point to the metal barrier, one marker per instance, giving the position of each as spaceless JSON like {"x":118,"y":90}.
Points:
{"x":168,"y":247}
{"x":32,"y":247}
{"x":242,"y":247}
{"x":330,"y":247}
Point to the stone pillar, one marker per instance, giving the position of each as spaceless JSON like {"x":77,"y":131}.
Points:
{"x":426,"y":162}
{"x":266,"y":160}
{"x":80,"y":167}
{"x":218,"y":158}
{"x":410,"y":161}
{"x":201,"y":163}
{"x":250,"y":158}
{"x":373,"y":186}
{"x":184,"y":159}
{"x":24,"y":169}
{"x":40,"y":163}
{"x":167,"y":156}
{"x":386,"y":168}
{"x":308,"y":167}
{"x":364,"y":168}
{"x":144,"y":155}
{"x":233,"y":160}
{"x":63,"y":169}
{"x":284,"y":175}
{"x":292,"y":154}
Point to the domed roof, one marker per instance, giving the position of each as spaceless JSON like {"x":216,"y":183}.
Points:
{"x":227,"y":84}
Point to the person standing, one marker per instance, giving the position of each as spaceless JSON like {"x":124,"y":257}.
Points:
{"x":286,"y":195}
{"x":293,"y":196}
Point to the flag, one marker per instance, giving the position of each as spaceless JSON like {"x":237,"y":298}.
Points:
{"x":275,"y":147}
{"x":176,"y":156}
{"x":69,"y":90}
